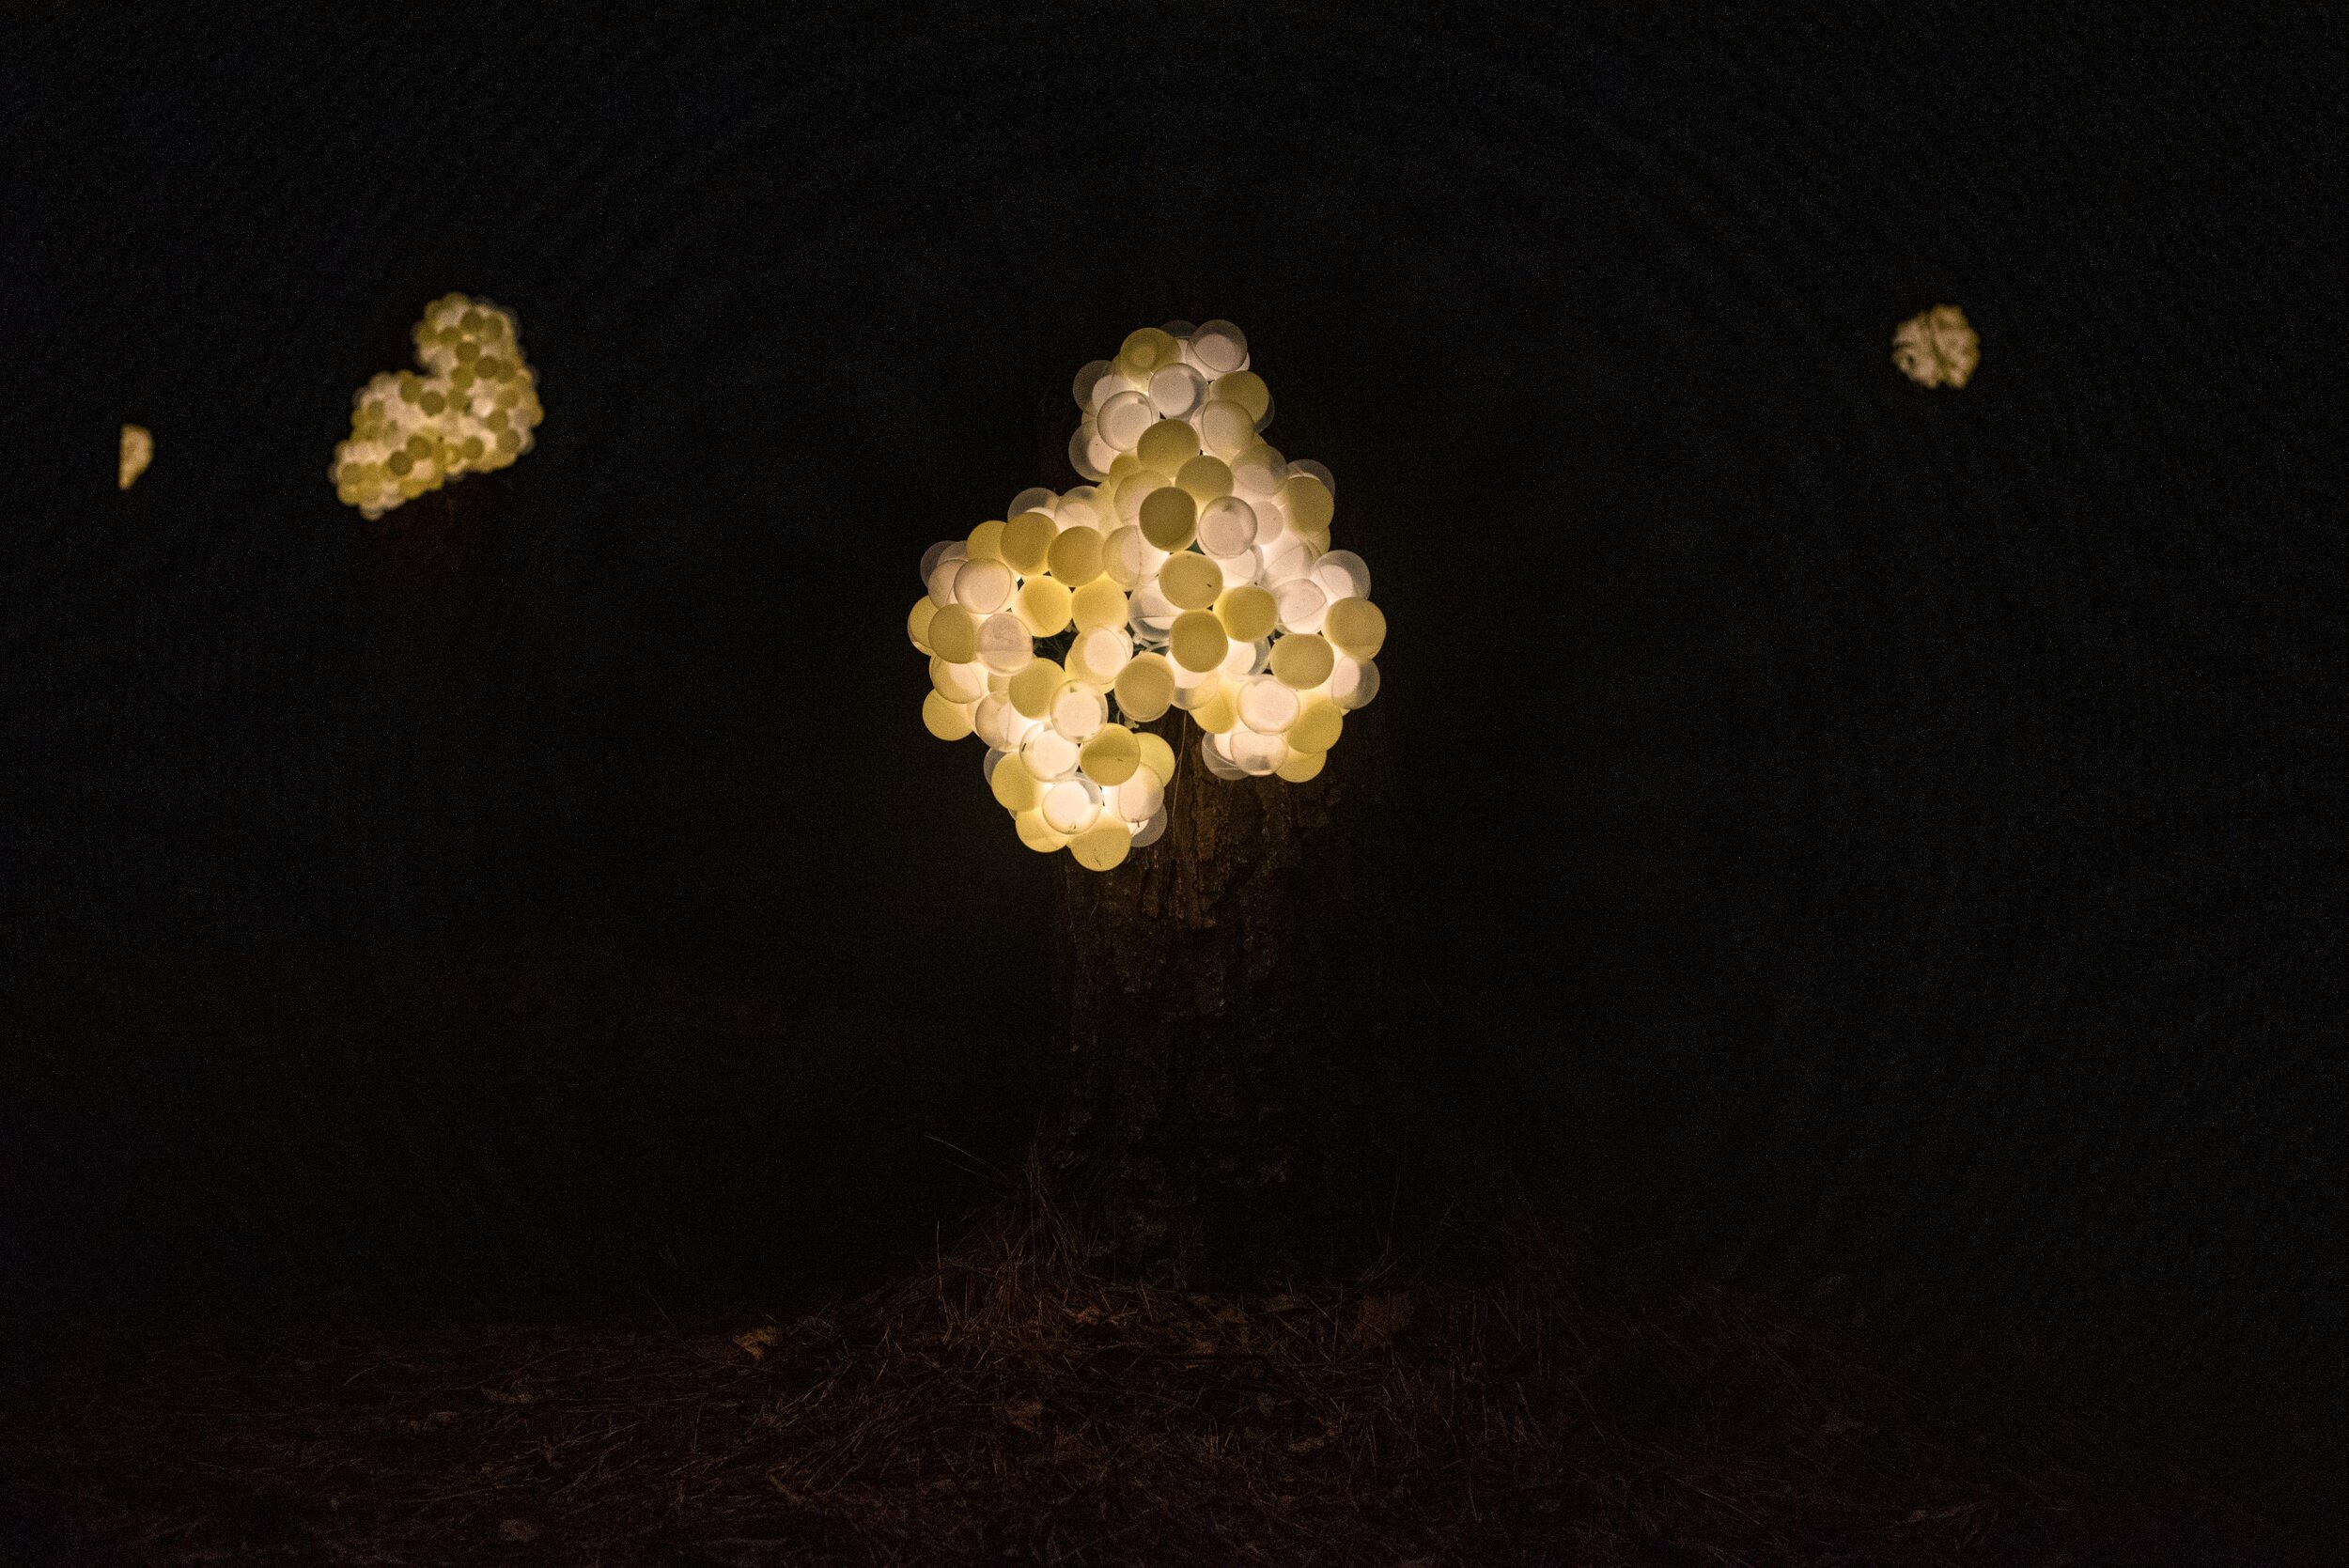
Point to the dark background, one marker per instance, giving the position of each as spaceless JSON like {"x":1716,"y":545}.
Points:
{"x":1878,"y":846}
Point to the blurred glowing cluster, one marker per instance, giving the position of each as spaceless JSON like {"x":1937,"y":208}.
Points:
{"x":473,"y":409}
{"x":138,"y":450}
{"x":1937,"y":348}
{"x":1194,"y":571}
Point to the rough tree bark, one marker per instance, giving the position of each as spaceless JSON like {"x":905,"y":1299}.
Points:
{"x":1231,"y":1013}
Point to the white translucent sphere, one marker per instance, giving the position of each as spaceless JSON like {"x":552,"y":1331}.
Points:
{"x":1047,"y":754}
{"x":1266,"y":705}
{"x":1218,"y":760}
{"x":937,"y":553}
{"x":1080,"y":509}
{"x":1150,"y":832}
{"x":1353,"y":682}
{"x":1242,"y":659}
{"x":1078,"y":709}
{"x":940,"y":579}
{"x":957,"y":683}
{"x":1100,"y":653}
{"x":1004,"y":645}
{"x":1176,"y":391}
{"x":1152,"y":612}
{"x":1139,"y":798}
{"x":1219,"y":346}
{"x":1088,"y":454}
{"x":1343,"y":574}
{"x":994,"y":718}
{"x":983,"y":587}
{"x":1300,"y":604}
{"x":1306,"y":465}
{"x":1072,"y":806}
{"x":1227,"y":525}
{"x":1128,"y":558}
{"x":1036,"y":498}
{"x":1123,"y":419}
{"x":1258,"y":471}
{"x":1088,"y":381}
{"x":1255,"y":754}
{"x":1291,"y":559}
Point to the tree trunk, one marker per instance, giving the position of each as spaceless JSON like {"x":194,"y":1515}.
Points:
{"x":1230,"y":1013}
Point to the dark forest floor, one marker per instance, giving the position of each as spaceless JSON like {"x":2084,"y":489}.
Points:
{"x":1006,"y":1404}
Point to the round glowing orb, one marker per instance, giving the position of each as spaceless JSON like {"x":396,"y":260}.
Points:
{"x":1191,"y":580}
{"x":1111,"y":755}
{"x":1145,"y":686}
{"x":1197,"y":641}
{"x":1357,"y":627}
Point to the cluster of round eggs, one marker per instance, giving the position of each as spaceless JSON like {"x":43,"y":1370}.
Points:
{"x":475,"y":407}
{"x":1194,"y":571}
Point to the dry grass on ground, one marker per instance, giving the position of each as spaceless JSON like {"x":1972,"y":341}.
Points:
{"x":1010,"y":1406}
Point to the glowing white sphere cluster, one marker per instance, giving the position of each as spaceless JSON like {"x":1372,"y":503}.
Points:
{"x":1192,"y":571}
{"x":473,"y":408}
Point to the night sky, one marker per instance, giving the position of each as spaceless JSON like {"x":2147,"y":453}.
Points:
{"x":1862,"y":838}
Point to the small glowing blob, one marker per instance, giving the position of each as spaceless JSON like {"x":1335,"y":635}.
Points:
{"x":137,"y":451}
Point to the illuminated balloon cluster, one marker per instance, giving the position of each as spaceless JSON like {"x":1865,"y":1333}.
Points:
{"x":1194,"y":571}
{"x":473,"y":408}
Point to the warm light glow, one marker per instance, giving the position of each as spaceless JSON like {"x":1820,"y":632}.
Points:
{"x":1937,"y":348}
{"x":1193,"y":570}
{"x":473,"y":410}
{"x":138,"y":450}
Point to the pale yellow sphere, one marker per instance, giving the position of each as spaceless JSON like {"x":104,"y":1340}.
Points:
{"x":1197,"y":641}
{"x":1357,"y":627}
{"x":1101,"y":846}
{"x":1318,"y":727}
{"x":918,"y":621}
{"x":954,"y":635}
{"x":1031,"y":690}
{"x":1302,"y":660}
{"x":1247,"y":389}
{"x":1043,"y":606}
{"x":1076,"y":556}
{"x":1016,"y":789}
{"x":1035,"y":833}
{"x":987,"y":542}
{"x":1167,"y":446}
{"x":1110,"y":757}
{"x":1158,"y":757}
{"x":1247,"y":613}
{"x":1024,"y":541}
{"x":1099,"y":602}
{"x":1206,"y":477}
{"x":1145,"y":350}
{"x":1226,"y":428}
{"x":1145,"y":686}
{"x":1191,"y":580}
{"x":1308,"y":502}
{"x":1218,"y":714}
{"x":947,"y":721}
{"x":1169,"y":517}
{"x":1301,"y":766}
